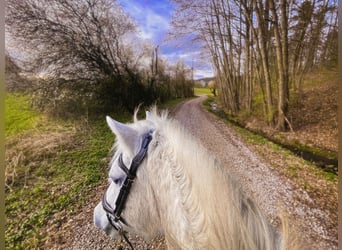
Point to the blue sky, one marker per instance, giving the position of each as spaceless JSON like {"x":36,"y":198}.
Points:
{"x":153,"y":18}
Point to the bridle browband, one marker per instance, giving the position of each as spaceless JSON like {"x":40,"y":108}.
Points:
{"x":114,"y":215}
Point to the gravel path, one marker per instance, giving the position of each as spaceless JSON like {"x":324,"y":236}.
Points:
{"x":269,"y":190}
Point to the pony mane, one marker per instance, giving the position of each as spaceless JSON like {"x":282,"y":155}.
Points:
{"x":212,"y":210}
{"x":214,"y":204}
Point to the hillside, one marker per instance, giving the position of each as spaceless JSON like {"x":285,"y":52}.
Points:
{"x":203,"y":82}
{"x":313,"y":119}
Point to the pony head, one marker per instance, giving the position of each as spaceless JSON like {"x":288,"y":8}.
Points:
{"x":138,"y":207}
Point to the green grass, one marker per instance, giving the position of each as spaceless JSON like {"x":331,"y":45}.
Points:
{"x":203,"y":91}
{"x":60,"y":182}
{"x":317,"y":151}
{"x":48,"y":182}
{"x":207,"y":102}
{"x":51,"y":185}
{"x":18,"y":114}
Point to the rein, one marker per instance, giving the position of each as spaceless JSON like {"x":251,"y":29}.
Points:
{"x":114,"y":215}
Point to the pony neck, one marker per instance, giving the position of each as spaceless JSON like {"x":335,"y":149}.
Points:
{"x":200,"y":206}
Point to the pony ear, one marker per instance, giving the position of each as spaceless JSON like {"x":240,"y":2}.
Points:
{"x":126,"y":135}
{"x":148,"y":115}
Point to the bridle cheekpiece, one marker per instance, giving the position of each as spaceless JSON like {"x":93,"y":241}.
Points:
{"x":114,"y":215}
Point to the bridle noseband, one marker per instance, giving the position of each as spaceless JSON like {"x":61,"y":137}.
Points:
{"x":114,"y":215}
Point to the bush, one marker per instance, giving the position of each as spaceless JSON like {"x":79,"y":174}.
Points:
{"x":66,"y":98}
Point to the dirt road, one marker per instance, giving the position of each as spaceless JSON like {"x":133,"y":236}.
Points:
{"x":268,"y":189}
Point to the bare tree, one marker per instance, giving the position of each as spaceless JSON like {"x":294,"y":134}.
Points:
{"x":260,"y":47}
{"x":281,"y":44}
{"x":80,"y":39}
{"x":79,"y":48}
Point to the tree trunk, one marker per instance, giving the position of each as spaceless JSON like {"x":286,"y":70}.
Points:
{"x":265,"y":64}
{"x":282,"y":62}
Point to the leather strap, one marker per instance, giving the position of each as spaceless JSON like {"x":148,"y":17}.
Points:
{"x":114,"y":215}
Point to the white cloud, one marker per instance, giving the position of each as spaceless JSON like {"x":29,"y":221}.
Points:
{"x":192,"y":58}
{"x":187,"y":57}
{"x":152,"y":25}
{"x":202,"y":73}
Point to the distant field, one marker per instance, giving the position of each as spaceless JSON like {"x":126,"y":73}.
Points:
{"x":203,"y":91}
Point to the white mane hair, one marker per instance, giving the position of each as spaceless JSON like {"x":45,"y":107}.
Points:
{"x":183,"y":192}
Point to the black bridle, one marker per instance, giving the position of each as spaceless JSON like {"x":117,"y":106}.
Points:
{"x":114,"y":215}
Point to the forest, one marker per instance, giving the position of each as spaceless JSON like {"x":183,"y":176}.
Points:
{"x":261,"y":50}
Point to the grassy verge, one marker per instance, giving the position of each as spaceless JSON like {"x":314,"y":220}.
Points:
{"x":272,"y":148}
{"x":49,"y":179}
{"x":51,"y":168}
{"x":289,"y":164}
